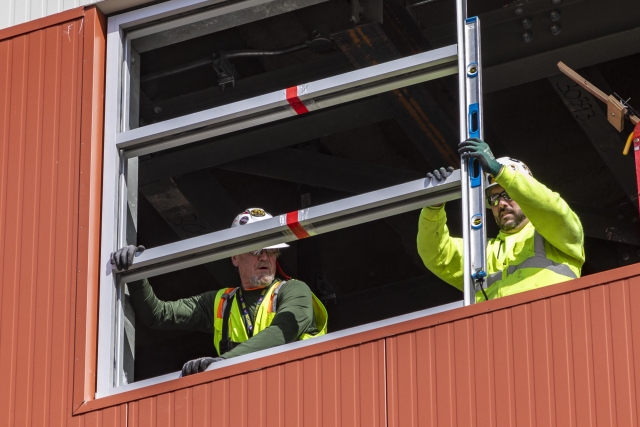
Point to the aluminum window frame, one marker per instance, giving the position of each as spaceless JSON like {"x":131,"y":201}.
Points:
{"x":122,"y":144}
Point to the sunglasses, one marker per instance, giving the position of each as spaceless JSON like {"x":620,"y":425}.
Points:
{"x":494,"y":198}
{"x":269,"y":252}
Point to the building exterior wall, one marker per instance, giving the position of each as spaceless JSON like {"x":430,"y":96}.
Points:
{"x":566,"y":355}
{"x":13,"y":12}
{"x":50,"y":146}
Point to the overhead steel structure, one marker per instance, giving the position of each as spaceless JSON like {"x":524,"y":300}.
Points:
{"x":124,"y":145}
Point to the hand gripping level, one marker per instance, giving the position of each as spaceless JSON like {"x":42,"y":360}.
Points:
{"x":473,"y":208}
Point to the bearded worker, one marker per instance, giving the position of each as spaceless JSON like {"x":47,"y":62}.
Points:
{"x":540,"y":242}
{"x":263,"y":312}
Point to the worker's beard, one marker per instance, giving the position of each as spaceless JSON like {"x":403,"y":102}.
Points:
{"x":261,"y":280}
{"x":512,"y":224}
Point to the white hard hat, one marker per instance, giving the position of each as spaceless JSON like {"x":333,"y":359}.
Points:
{"x":254,"y":215}
{"x":509,"y":162}
{"x":514,"y":164}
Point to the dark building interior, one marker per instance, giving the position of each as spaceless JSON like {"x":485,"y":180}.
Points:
{"x":372,"y":271}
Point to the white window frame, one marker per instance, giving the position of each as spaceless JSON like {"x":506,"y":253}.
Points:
{"x":121,"y":144}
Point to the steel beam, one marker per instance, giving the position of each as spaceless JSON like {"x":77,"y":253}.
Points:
{"x":592,"y":120}
{"x":315,"y":169}
{"x":578,"y":55}
{"x":325,"y":66}
{"x":604,"y":224}
{"x":413,"y":107}
{"x":263,"y":139}
{"x":193,"y":205}
{"x":219,"y":19}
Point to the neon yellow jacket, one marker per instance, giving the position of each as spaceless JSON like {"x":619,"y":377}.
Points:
{"x":548,"y":250}
{"x":264,"y":315}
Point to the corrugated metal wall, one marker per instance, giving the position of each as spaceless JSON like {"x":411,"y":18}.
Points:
{"x":571,"y":360}
{"x":13,"y":12}
{"x":42,"y":112}
{"x":340,"y":388}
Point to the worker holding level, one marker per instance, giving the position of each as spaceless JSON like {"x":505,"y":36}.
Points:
{"x":261,"y":313}
{"x":540,"y":242}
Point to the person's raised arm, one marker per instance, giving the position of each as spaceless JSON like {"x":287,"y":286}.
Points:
{"x":548,"y":212}
{"x":440,"y":253}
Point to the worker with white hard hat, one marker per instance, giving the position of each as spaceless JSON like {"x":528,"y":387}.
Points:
{"x":263,"y":312}
{"x":540,"y":243}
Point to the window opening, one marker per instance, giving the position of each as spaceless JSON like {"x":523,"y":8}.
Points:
{"x":141,"y":138}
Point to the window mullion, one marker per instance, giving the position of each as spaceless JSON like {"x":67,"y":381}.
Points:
{"x":315,"y":220}
{"x":278,"y":105}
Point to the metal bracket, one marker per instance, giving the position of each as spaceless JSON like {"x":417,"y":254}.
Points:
{"x":225,"y":70}
{"x":366,"y":11}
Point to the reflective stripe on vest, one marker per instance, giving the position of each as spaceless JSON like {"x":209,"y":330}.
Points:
{"x":538,"y":260}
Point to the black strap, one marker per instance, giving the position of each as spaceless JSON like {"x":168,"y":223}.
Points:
{"x":225,"y":342}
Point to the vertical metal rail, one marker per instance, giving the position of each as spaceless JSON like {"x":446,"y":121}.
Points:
{"x":473,"y":215}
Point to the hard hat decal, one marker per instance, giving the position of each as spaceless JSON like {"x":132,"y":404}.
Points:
{"x":244,"y":220}
{"x":258,"y":212}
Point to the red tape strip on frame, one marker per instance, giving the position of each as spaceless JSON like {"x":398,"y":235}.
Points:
{"x":295,"y":226}
{"x":294,"y":101}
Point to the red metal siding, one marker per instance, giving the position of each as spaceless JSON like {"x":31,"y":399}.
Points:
{"x":340,"y":388}
{"x":38,"y":205}
{"x":569,"y":360}
{"x":41,"y":122}
{"x":566,"y":359}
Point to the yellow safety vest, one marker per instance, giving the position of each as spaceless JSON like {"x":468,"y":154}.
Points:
{"x":265,"y":313}
{"x":516,"y":262}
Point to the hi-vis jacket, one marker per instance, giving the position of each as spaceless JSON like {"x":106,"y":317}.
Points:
{"x":548,"y":250}
{"x":236,"y":330}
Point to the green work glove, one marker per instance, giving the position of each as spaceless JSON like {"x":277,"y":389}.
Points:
{"x":478,"y":149}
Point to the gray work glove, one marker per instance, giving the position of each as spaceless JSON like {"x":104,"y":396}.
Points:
{"x":478,"y":149}
{"x":440,"y":174}
{"x":199,"y":365}
{"x":123,"y":257}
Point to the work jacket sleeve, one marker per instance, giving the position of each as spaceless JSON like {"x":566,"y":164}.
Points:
{"x":548,"y":212}
{"x":294,"y":317}
{"x":193,"y":313}
{"x":441,"y":253}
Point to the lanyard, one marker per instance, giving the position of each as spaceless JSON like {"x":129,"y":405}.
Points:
{"x":246,"y":317}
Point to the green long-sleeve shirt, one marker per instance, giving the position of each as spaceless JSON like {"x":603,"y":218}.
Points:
{"x":294,"y":315}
